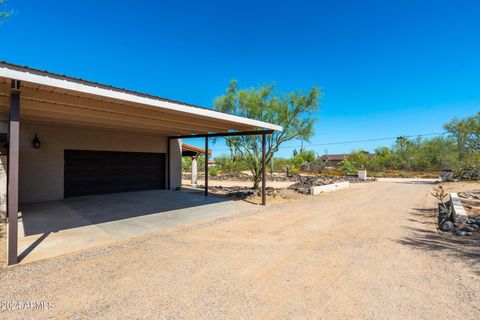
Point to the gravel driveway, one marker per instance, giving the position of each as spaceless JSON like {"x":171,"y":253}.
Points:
{"x":370,"y":252}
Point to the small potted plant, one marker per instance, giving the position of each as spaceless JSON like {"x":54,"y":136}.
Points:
{"x":443,"y":207}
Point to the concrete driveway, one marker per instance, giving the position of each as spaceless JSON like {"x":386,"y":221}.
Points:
{"x":54,"y":228}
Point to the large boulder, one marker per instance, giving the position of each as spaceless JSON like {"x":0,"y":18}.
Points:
{"x":474,"y":226}
{"x":447,"y":226}
{"x":470,"y":221}
{"x":468,"y":229}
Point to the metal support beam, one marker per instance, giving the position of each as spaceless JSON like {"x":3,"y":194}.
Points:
{"x":12,"y":178}
{"x":168,"y":163}
{"x":264,"y":166}
{"x":206,"y":166}
{"x":230,"y":134}
{"x":224,"y":134}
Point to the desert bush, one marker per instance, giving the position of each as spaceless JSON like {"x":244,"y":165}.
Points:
{"x":231,"y":166}
{"x":347,"y":167}
{"x":316,"y":166}
{"x":294,"y":171}
{"x":186,"y":164}
{"x":280,"y":164}
{"x":213,"y":171}
{"x":302,"y":158}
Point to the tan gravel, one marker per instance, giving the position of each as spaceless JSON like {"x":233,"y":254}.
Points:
{"x":370,"y":252}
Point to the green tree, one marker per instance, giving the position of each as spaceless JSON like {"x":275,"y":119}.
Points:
{"x":293,"y":111}
{"x":466,"y":134}
{"x":383,"y":159}
{"x":435,"y":154}
{"x":404,"y":150}
{"x":359,"y":159}
{"x":347,"y":167}
{"x":302,"y":157}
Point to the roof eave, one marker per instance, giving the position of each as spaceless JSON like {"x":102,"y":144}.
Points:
{"x":77,"y":85}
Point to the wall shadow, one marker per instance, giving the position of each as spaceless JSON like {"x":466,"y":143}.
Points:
{"x":428,"y":239}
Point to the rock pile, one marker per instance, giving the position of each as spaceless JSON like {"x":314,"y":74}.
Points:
{"x":466,"y":228}
{"x":470,"y":173}
{"x":472,"y":226}
{"x":306,"y":182}
{"x":246,"y":177}
{"x":282,"y":177}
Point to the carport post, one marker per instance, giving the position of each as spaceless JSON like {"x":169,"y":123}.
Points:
{"x":264,"y":198}
{"x":168,"y":162}
{"x":206,"y":166}
{"x":231,"y":134}
{"x":12,"y":178}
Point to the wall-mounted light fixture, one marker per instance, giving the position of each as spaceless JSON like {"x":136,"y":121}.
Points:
{"x":36,"y":142}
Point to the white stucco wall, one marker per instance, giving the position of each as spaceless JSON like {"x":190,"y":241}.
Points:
{"x":41,"y":170}
{"x":176,"y":163}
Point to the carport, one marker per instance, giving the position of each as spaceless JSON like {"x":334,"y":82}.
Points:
{"x":68,"y":137}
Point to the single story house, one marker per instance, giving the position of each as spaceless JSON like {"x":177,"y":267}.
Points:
{"x":67,"y":137}
{"x":333,"y":160}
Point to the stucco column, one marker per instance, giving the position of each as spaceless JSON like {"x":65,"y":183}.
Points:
{"x":206,"y":166}
{"x":175,"y":163}
{"x":194,"y":171}
{"x":12,"y":178}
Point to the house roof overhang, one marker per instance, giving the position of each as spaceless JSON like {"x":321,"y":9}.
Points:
{"x":191,"y":151}
{"x":52,"y":98}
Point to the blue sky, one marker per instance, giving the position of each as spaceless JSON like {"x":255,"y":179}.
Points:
{"x":386,"y":68}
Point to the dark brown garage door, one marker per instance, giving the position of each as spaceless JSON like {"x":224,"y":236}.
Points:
{"x":94,"y":172}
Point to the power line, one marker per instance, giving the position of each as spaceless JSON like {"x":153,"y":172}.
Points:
{"x":355,"y":141}
{"x":366,"y":140}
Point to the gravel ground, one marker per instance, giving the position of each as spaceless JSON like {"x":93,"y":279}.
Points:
{"x":370,"y":252}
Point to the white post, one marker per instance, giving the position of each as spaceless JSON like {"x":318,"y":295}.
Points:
{"x":194,"y":171}
{"x":362,"y":174}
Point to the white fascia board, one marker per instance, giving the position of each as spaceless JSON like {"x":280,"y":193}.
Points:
{"x":67,"y":84}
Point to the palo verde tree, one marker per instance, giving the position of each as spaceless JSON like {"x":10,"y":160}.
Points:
{"x":293,"y":111}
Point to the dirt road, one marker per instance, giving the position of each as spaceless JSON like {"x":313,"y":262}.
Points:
{"x":365,"y":253}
